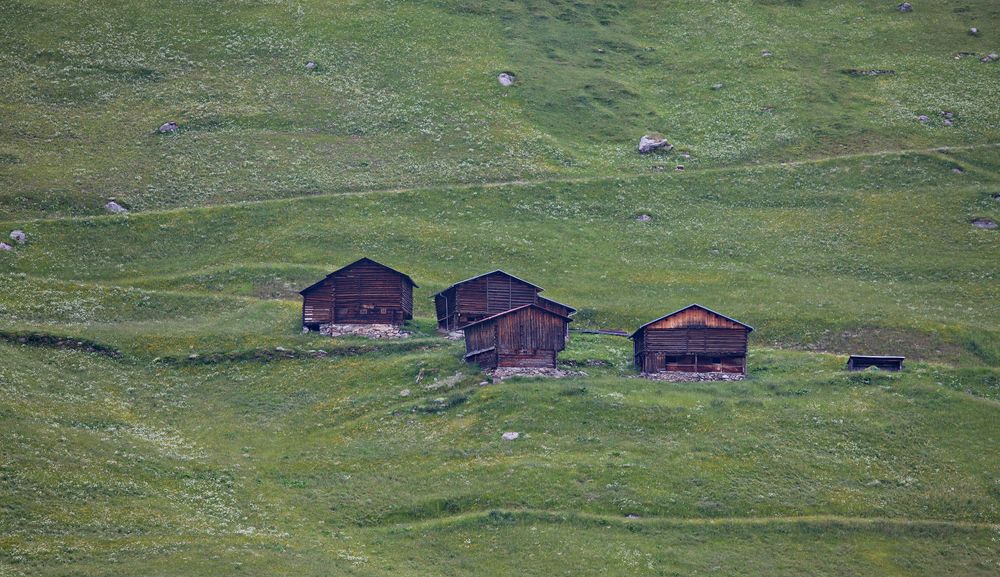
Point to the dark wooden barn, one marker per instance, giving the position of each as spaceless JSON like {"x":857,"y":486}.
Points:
{"x":693,"y":339}
{"x":526,"y":336}
{"x":363,"y":292}
{"x":881,"y":362}
{"x":488,"y":294}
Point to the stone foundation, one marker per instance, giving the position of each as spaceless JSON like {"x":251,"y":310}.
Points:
{"x":369,"y":331}
{"x":508,"y":372}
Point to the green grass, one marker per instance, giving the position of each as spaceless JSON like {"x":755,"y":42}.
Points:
{"x":161,"y":412}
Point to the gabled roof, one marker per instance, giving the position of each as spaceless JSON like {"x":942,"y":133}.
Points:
{"x":704,"y":308}
{"x":540,"y":289}
{"x":557,"y":302}
{"x":516,"y":309}
{"x":357,"y":262}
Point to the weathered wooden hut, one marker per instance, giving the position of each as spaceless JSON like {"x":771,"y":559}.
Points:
{"x":363,"y":292}
{"x":488,"y":294}
{"x":881,"y":362}
{"x":693,"y":339}
{"x":525,"y":336}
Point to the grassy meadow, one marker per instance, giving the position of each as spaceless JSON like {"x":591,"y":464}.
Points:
{"x":161,"y":412}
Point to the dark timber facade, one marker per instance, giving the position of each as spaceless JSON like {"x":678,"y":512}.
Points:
{"x":881,"y":362}
{"x":363,"y":292}
{"x":528,"y":336}
{"x":485,"y":295}
{"x":693,"y":339}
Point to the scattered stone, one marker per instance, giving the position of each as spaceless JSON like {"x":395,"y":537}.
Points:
{"x":508,"y":372}
{"x":305,"y":330}
{"x":193,"y":356}
{"x":455,"y":335}
{"x":958,"y":170}
{"x":311,"y":65}
{"x":685,"y":377}
{"x":510,"y":435}
{"x":281,"y":349}
{"x":974,"y":31}
{"x":684,"y":156}
{"x":115,"y":208}
{"x":483,"y":383}
{"x":991,"y":57}
{"x":404,"y":393}
{"x":18,"y":236}
{"x":766,"y":53}
{"x":987,"y":223}
{"x":948,"y":122}
{"x":4,"y":246}
{"x":374,"y":331}
{"x":995,"y":196}
{"x":644,"y":218}
{"x":506,"y":79}
{"x":718,"y":86}
{"x":924,"y":118}
{"x":679,"y":168}
{"x":631,"y":516}
{"x":947,"y":114}
{"x":653,"y":142}
{"x":167,"y":127}
{"x":905,"y":7}
{"x":870,"y":72}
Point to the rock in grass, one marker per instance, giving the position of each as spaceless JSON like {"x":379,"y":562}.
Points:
{"x":506,"y":79}
{"x":311,"y":65}
{"x":167,"y":127}
{"x":718,"y":86}
{"x":510,"y":435}
{"x":924,"y":118}
{"x":987,"y":223}
{"x":644,"y":218}
{"x":766,"y":53}
{"x":974,"y":31}
{"x":991,"y":57}
{"x":653,"y":142}
{"x":115,"y":208}
{"x":4,"y":246}
{"x":905,"y":7}
{"x":18,"y":236}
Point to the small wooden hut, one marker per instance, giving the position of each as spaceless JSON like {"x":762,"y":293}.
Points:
{"x":693,"y":339}
{"x":363,"y":292}
{"x":881,"y":362}
{"x":485,"y":295}
{"x":526,"y":336}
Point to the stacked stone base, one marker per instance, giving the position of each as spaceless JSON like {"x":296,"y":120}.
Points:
{"x":502,"y":373}
{"x":370,"y":331}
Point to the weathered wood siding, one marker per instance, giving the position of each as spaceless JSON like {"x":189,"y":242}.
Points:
{"x":526,"y":337}
{"x":481,"y":297}
{"x":693,"y":340}
{"x":317,"y":304}
{"x":363,"y":292}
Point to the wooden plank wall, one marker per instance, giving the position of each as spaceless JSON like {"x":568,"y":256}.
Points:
{"x":317,"y":305}
{"x":524,"y":338}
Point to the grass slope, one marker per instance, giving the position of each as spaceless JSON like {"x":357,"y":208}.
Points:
{"x":162,"y":414}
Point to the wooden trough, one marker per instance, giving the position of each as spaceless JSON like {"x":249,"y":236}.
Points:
{"x":881,"y":362}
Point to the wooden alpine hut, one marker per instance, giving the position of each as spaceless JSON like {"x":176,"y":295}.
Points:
{"x":485,"y":295}
{"x":525,"y":336}
{"x":363,"y":292}
{"x":693,"y":339}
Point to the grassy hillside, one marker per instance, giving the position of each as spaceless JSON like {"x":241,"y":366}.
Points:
{"x":161,"y":412}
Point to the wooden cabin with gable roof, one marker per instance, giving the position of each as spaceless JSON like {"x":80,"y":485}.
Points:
{"x":528,"y":336}
{"x":693,"y":339}
{"x":363,"y":292}
{"x":488,"y":294}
